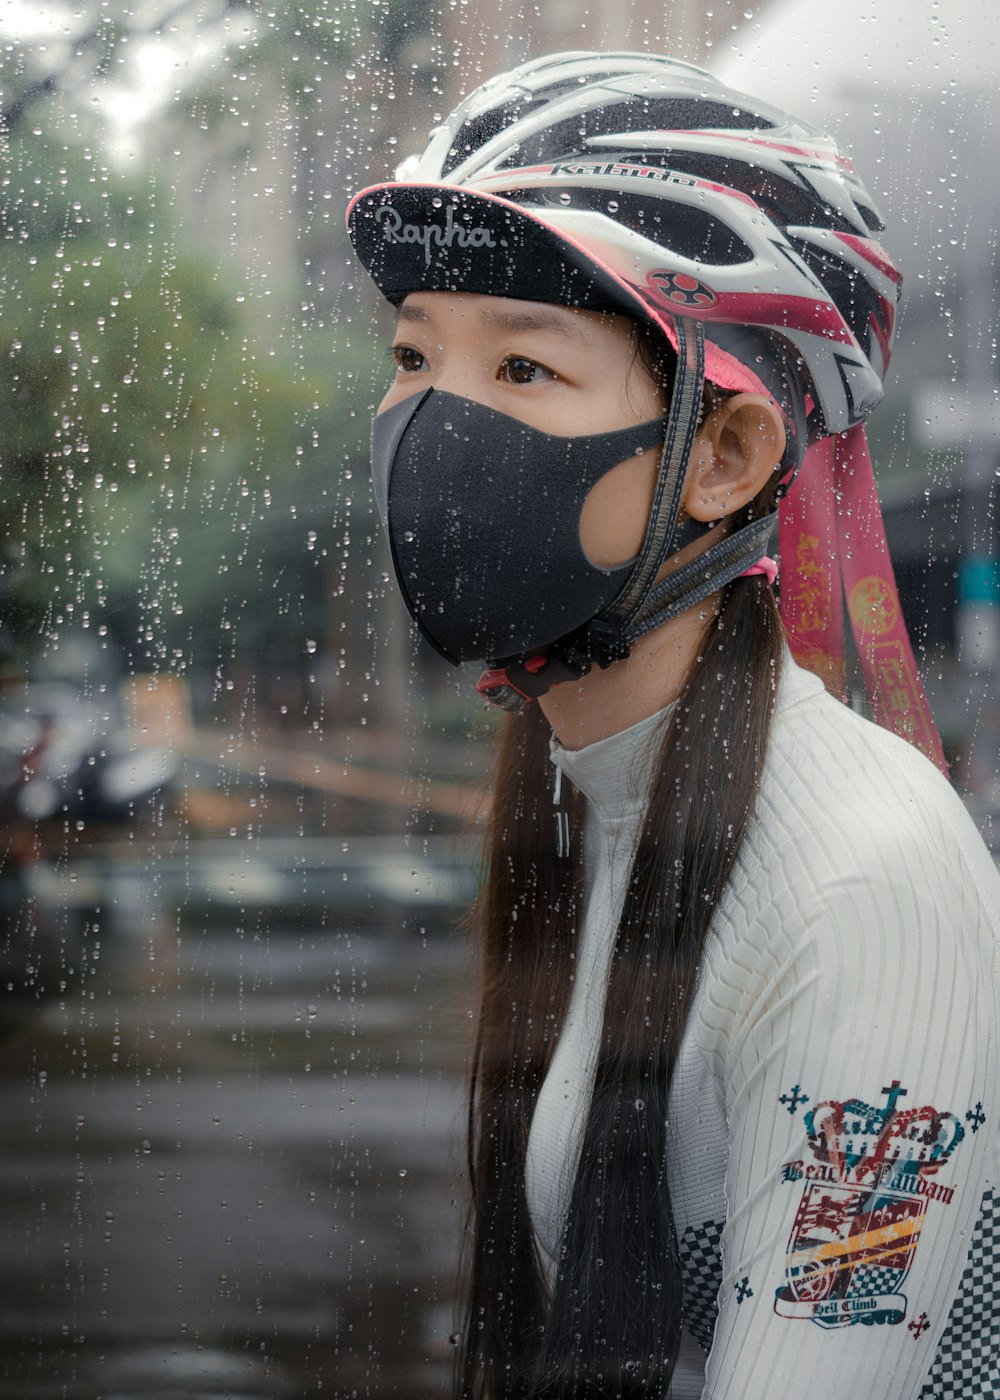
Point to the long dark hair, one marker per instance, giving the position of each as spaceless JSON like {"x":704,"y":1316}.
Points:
{"x":610,"y":1325}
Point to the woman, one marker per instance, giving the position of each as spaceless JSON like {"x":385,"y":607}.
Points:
{"x":732,"y":1113}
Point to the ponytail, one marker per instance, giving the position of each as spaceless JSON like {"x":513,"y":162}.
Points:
{"x":617,"y":1310}
{"x":527,"y":919}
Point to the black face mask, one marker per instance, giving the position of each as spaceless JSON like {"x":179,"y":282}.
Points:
{"x":482,"y":514}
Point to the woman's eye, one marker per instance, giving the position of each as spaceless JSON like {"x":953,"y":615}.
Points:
{"x":519,"y":370}
{"x":407,"y":359}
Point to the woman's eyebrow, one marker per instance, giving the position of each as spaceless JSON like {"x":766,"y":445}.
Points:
{"x":539,"y":320}
{"x":498,"y":319}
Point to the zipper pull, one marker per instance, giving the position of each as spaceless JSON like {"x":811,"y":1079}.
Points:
{"x":562,"y":818}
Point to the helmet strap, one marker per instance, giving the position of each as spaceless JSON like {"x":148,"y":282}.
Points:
{"x":683,"y":418}
{"x":704,"y":575}
{"x":513,"y":682}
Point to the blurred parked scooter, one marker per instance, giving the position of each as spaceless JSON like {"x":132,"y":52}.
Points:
{"x":71,"y":772}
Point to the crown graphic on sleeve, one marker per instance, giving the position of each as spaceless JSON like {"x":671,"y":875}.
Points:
{"x":856,"y":1139}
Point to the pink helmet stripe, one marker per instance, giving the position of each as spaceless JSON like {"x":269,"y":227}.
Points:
{"x":771,"y":309}
{"x":816,"y":153}
{"x":872,"y":252}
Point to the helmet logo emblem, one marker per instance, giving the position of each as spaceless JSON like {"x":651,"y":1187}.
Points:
{"x":680,"y":288}
{"x":432,"y":235}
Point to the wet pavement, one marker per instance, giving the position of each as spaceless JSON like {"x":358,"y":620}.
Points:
{"x":231,"y":1144}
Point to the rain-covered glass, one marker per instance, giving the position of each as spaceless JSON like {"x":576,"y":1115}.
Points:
{"x":239,"y":800}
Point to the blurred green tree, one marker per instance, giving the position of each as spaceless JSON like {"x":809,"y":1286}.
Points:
{"x":164,"y":461}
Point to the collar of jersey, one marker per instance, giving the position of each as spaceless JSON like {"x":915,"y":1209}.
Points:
{"x":614,"y":773}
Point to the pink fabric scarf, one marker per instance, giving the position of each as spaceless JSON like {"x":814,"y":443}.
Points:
{"x":833,"y":549}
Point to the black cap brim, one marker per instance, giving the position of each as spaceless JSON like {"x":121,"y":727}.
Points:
{"x":441,"y":238}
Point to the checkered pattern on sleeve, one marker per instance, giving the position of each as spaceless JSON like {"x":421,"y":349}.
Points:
{"x":868,"y":1281}
{"x":967,"y":1364}
{"x":700,"y":1250}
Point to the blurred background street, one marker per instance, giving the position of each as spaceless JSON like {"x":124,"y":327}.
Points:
{"x":238,"y":798}
{"x":232,"y":1099}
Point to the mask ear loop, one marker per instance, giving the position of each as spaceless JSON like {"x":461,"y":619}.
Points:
{"x":607,"y":634}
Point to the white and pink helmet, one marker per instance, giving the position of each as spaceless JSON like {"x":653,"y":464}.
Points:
{"x":634,"y":182}
{"x":697,"y":200}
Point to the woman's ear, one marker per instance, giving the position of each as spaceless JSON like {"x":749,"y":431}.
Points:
{"x":734,"y":454}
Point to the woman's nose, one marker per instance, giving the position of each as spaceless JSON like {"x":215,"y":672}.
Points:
{"x":459,"y":376}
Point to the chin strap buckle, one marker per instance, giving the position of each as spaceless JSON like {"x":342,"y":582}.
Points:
{"x":513,"y":683}
{"x":606,"y":642}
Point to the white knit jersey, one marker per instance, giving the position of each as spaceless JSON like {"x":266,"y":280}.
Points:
{"x":833,"y":1134}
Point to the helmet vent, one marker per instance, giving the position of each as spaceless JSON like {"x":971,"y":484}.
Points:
{"x":784,"y":201}
{"x":851,"y":293}
{"x":684,"y":230}
{"x":875,"y":224}
{"x":473,"y":134}
{"x":561,"y":139}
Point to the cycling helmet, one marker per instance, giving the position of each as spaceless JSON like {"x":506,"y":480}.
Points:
{"x":704,"y":202}
{"x":635,"y":182}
